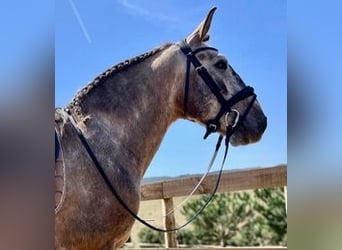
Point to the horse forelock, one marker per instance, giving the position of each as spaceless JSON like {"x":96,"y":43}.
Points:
{"x":101,"y":78}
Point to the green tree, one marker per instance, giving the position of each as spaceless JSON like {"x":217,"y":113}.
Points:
{"x":147,"y":235}
{"x":184,"y":236}
{"x":241,"y":219}
{"x":222,"y":220}
{"x":270,"y":204}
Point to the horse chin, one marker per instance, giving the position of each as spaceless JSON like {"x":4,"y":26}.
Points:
{"x":243,"y":137}
{"x":240,"y":140}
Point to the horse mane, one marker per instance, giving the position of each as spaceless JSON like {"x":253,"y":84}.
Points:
{"x":81,"y":94}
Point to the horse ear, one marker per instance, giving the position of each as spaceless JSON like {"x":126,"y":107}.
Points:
{"x":200,"y":34}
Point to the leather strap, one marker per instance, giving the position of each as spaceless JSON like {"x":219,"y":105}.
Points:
{"x":214,"y":124}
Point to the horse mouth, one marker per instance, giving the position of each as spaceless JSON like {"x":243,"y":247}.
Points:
{"x":245,"y":135}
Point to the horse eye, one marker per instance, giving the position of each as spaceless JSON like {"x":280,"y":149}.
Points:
{"x":221,"y":64}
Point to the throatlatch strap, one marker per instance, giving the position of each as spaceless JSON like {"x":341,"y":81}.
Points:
{"x":186,"y":87}
{"x":190,"y":56}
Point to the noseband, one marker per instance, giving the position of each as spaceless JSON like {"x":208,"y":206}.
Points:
{"x":226,"y":105}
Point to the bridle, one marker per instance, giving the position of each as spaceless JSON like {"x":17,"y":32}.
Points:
{"x":231,"y":123}
{"x":226,"y":105}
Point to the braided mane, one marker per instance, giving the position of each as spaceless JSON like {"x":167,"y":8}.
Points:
{"x":81,"y":94}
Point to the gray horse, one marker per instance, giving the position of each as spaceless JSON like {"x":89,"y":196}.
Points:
{"x":124,"y":114}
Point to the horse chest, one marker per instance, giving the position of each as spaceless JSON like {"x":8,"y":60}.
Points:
{"x":91,"y":217}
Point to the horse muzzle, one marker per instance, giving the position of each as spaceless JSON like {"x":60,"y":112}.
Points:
{"x":250,"y":130}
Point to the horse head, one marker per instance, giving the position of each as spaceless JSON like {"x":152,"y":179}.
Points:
{"x":204,"y":103}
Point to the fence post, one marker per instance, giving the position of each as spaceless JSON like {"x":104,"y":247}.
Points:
{"x":169,"y":222}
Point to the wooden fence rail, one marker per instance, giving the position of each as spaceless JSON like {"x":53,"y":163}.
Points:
{"x":230,"y":181}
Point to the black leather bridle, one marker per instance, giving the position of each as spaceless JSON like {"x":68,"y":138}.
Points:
{"x":226,"y":105}
{"x":232,"y":123}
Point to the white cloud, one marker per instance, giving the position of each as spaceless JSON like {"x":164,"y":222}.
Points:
{"x":136,"y":8}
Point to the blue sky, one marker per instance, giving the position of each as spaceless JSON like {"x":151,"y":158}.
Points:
{"x":92,"y":36}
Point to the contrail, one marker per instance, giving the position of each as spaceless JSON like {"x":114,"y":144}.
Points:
{"x":79,"y":19}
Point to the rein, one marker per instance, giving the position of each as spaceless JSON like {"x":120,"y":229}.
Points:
{"x":232,"y":120}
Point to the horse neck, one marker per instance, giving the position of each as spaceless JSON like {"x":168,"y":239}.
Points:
{"x":129,"y":114}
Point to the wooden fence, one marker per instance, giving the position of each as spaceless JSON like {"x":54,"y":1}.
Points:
{"x":231,"y":181}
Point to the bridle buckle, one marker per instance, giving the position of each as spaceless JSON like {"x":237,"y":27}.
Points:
{"x":212,"y":127}
{"x":199,"y":68}
{"x":227,"y":120}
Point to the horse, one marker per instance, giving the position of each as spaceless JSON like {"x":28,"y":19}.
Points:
{"x":123,"y":115}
